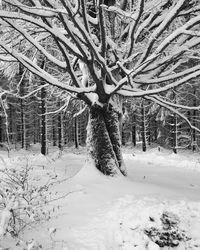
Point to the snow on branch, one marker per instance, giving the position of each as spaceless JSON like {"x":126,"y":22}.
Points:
{"x":35,"y":43}
{"x":35,"y":69}
{"x":134,"y":25}
{"x":55,"y":32}
{"x":102,"y":25}
{"x":162,"y":27}
{"x":182,"y":30}
{"x":173,"y":110}
{"x":151,"y":47}
{"x":80,"y":112}
{"x":171,"y":77}
{"x":38,"y":11}
{"x":141,"y":93}
{"x":175,"y":105}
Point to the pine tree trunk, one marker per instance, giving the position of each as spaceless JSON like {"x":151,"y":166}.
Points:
{"x":1,"y":129}
{"x":76,"y":132}
{"x":23,"y":131}
{"x":34,"y":131}
{"x":134,"y":130}
{"x":54,"y":133}
{"x":144,"y":143}
{"x":22,"y":108}
{"x":43,"y":122}
{"x":194,"y":122}
{"x":194,"y":132}
{"x":104,"y":140}
{"x":149,"y":135}
{"x":155,"y":131}
{"x":123,"y":136}
{"x":175,"y":134}
{"x":11,"y":123}
{"x":60,"y":132}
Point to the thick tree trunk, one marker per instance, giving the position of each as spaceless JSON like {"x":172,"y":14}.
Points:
{"x":104,"y":140}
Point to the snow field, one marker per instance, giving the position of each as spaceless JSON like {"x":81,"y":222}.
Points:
{"x":103,"y":213}
{"x":122,"y":227}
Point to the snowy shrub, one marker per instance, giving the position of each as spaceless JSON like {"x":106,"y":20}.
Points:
{"x":169,"y":234}
{"x":21,"y":200}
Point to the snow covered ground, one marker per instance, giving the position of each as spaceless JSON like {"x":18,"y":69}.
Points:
{"x":94,"y":212}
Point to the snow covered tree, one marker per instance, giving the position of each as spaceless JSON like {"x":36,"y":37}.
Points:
{"x":105,"y":50}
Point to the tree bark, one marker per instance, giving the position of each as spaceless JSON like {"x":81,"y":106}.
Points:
{"x":134,"y":129}
{"x":194,"y":121}
{"x":53,"y":132}
{"x":123,"y":136}
{"x":43,"y":122}
{"x":175,"y":134}
{"x":22,"y":108}
{"x":60,"y":131}
{"x":23,"y":131}
{"x":76,"y":132}
{"x":143,"y":132}
{"x":175,"y":127}
{"x":1,"y":129}
{"x":104,"y":140}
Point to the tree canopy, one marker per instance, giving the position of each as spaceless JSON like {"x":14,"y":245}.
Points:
{"x":139,"y":47}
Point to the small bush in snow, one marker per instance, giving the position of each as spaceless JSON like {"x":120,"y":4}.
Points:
{"x":169,"y":234}
{"x":21,"y":202}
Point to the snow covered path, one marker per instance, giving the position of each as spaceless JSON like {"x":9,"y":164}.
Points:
{"x":92,"y":217}
{"x":175,"y":182}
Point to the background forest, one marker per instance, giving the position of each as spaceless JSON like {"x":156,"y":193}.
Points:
{"x":51,"y":118}
{"x":128,"y":66}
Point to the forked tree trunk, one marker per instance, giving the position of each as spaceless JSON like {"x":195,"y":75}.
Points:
{"x":104,"y":140}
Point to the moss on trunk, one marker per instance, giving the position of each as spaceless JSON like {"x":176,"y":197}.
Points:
{"x":104,"y":140}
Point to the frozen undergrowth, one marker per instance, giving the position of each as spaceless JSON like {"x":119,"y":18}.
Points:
{"x":25,"y":192}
